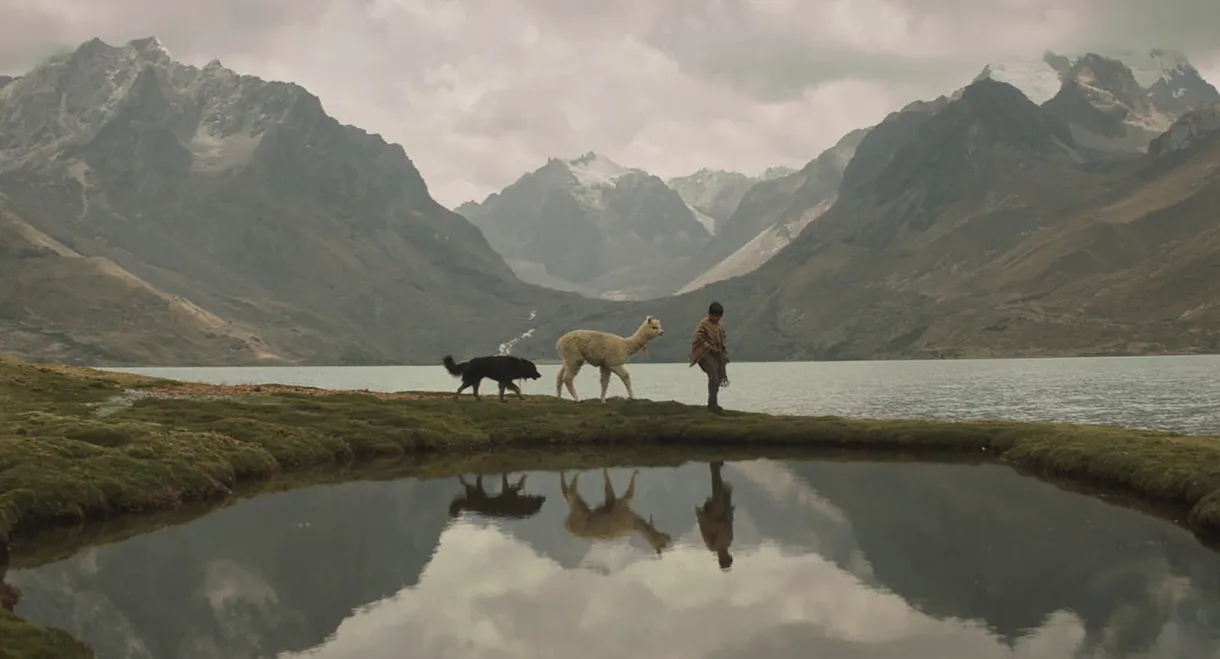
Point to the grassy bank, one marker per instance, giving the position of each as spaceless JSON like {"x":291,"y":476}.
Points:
{"x":22,"y":640}
{"x":68,"y":453}
{"x":79,"y":445}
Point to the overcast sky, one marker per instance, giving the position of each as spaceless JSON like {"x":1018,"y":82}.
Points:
{"x":481,"y":91}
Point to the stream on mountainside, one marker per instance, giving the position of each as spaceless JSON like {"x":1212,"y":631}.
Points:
{"x":776,"y":558}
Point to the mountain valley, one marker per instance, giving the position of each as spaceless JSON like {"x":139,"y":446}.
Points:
{"x":241,"y":197}
{"x":153,"y":212}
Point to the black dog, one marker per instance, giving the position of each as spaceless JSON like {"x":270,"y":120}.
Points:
{"x":501,"y":368}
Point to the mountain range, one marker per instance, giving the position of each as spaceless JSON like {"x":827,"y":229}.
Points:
{"x":594,"y":226}
{"x":156,"y":212}
{"x":1117,"y":103}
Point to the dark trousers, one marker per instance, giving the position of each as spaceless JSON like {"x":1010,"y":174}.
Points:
{"x":715,"y":366}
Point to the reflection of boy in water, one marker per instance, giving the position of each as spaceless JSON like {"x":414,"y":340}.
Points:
{"x":716,"y":517}
{"x":8,"y":594}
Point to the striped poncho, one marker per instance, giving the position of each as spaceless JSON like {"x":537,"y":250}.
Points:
{"x":709,"y":338}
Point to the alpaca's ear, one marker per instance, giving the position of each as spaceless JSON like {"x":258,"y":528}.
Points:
{"x":648,"y":319}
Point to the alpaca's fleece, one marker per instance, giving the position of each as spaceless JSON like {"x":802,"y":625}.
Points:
{"x":609,"y":352}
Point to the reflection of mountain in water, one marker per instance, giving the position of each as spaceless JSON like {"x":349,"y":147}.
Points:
{"x":984,"y":542}
{"x":281,"y":572}
{"x":272,"y":574}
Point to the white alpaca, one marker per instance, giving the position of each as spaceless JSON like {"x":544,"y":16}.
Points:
{"x":607,"y":351}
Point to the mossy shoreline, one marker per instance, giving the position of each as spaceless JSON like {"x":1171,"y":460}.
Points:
{"x":67,"y":456}
{"x":70,"y":454}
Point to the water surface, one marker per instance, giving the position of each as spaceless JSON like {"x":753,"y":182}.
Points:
{"x":1174,"y":393}
{"x":866,"y":560}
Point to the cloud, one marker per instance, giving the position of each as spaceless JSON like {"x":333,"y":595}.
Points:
{"x":773,"y":603}
{"x":480,"y":92}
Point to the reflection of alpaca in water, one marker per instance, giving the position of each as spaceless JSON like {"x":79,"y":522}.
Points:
{"x":613,"y":519}
{"x":8,"y":594}
{"x":716,"y":518}
{"x":508,"y":503}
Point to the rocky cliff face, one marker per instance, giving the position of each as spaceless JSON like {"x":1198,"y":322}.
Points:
{"x":1192,"y":130}
{"x":618,"y":232}
{"x":243,"y":197}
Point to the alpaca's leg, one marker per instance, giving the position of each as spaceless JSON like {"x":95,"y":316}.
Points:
{"x":621,"y":372}
{"x":630,"y":493}
{"x":559,"y":382}
{"x":571,"y":492}
{"x":605,"y":381}
{"x":609,"y":489}
{"x":570,"y":369}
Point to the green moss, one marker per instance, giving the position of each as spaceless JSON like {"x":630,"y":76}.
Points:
{"x":23,"y":640}
{"x":63,"y":462}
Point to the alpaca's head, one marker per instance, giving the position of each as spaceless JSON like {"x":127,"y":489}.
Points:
{"x":650,"y":328}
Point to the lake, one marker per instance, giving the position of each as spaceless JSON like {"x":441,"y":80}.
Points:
{"x":869,"y":560}
{"x":1173,"y":393}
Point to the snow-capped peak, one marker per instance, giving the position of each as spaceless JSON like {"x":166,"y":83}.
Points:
{"x":85,"y":89}
{"x":1041,"y":79}
{"x":1037,"y":79}
{"x":593,"y":169}
{"x":1154,"y":65}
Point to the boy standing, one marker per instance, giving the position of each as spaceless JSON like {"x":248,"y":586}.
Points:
{"x":710,"y":351}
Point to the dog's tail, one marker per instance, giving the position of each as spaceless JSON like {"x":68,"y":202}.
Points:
{"x":455,"y":369}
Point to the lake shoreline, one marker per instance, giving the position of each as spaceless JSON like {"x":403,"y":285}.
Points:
{"x":80,"y":445}
{"x":259,"y":431}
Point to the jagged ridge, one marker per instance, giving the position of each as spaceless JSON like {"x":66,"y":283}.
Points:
{"x":244,"y":197}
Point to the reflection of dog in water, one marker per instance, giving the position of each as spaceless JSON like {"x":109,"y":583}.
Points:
{"x":716,"y":518}
{"x":509,"y":503}
{"x":613,"y":519}
{"x":9,"y":595}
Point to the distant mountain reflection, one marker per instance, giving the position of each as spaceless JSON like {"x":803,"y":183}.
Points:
{"x":827,"y":559}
